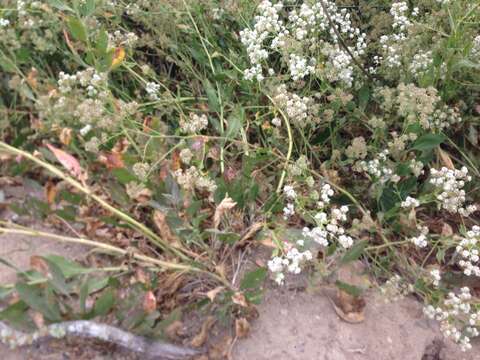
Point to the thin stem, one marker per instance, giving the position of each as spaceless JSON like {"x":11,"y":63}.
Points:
{"x":129,"y":220}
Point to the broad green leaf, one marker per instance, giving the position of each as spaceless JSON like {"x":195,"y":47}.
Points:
{"x":69,"y":268}
{"x":77,"y":29}
{"x":57,"y":279}
{"x":213,"y":101}
{"x":17,"y":315}
{"x":354,"y":252}
{"x":60,"y":5}
{"x":235,"y":122}
{"x":88,"y":7}
{"x":102,"y":42}
{"x":104,"y":303}
{"x":428,"y":142}
{"x":253,"y":279}
{"x":34,"y":298}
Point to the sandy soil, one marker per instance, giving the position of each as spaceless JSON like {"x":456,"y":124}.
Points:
{"x":303,"y":326}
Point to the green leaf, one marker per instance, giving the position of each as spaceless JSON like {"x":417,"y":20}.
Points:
{"x":77,"y":29}
{"x":102,"y":42}
{"x":90,"y":286}
{"x":68,"y":268}
{"x":33,"y":297}
{"x":349,"y":289}
{"x":213,"y":101}
{"x":60,"y":5}
{"x":17,"y":315}
{"x":104,"y":303}
{"x":253,"y":279}
{"x":363,"y":97}
{"x":354,"y":252}
{"x":57,"y":279}
{"x":428,"y":142}
{"x":235,"y":122}
{"x":87,"y":8}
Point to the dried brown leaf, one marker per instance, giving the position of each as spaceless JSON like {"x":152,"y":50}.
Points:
{"x":225,"y":205}
{"x":445,"y":159}
{"x":50,"y":192}
{"x":160,"y":220}
{"x":239,"y":299}
{"x":39,"y":264}
{"x":112,"y":160}
{"x":221,"y":349}
{"x":242,"y":328}
{"x":212,"y":294}
{"x":38,"y":319}
{"x":66,"y":136}
{"x":202,"y":336}
{"x":349,"y":308}
{"x":121,"y":146}
{"x":175,"y":330}
{"x":149,"y":302}
{"x":447,"y":230}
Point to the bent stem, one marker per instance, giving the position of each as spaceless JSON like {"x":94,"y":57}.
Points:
{"x":128,"y":219}
{"x":113,"y":250}
{"x":290,"y":146}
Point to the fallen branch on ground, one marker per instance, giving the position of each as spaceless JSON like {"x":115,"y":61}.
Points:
{"x":93,"y":330}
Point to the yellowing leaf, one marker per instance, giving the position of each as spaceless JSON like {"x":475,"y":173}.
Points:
{"x":118,"y":57}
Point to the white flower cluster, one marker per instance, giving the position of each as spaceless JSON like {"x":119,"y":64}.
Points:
{"x":291,"y":195}
{"x":295,"y":106}
{"x":395,"y":289}
{"x":476,"y":46}
{"x":300,"y":66}
{"x":468,"y":250}
{"x":267,"y":23}
{"x":416,"y":167}
{"x":119,"y":38}
{"x":458,"y":319}
{"x":436,"y":277}
{"x":307,"y":26}
{"x":192,"y":179}
{"x":328,"y":226}
{"x":451,"y":182}
{"x":89,"y":79}
{"x":410,"y":202}
{"x":378,"y":168}
{"x":152,"y":90}
{"x":392,"y":44}
{"x":291,"y":261}
{"x":420,"y":240}
{"x":420,"y":63}
{"x":194,"y":123}
{"x":444,"y":117}
{"x":4,"y":22}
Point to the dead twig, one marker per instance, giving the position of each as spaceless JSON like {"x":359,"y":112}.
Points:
{"x":93,"y":330}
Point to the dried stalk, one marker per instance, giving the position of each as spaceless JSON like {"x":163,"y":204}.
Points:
{"x":93,"y":330}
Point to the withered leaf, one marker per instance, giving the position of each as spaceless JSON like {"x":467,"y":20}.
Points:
{"x":160,"y":220}
{"x":212,"y":294}
{"x":242,"y":328}
{"x":202,"y":336}
{"x":149,"y":302}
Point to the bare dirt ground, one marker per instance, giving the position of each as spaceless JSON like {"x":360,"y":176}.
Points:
{"x":304,"y":326}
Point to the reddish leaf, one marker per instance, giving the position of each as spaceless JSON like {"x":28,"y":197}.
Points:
{"x":68,"y":162}
{"x":149,"y":302}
